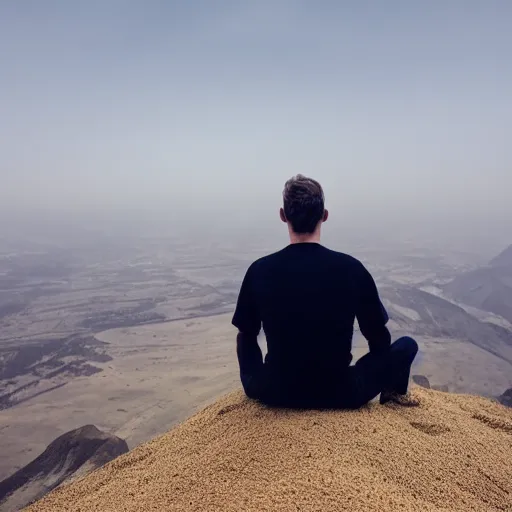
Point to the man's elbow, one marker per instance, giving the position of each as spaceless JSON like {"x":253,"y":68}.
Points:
{"x":379,"y":340}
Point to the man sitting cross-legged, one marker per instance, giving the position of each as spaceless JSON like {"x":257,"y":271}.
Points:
{"x":307,"y":298}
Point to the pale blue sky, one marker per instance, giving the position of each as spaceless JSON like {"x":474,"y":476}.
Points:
{"x":397,"y":107}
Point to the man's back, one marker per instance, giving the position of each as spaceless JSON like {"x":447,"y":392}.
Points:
{"x":307,"y":297}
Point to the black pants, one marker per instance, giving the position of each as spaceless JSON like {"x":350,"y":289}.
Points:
{"x":356,"y":386}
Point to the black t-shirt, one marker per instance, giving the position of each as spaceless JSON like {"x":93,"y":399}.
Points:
{"x":307,"y":298}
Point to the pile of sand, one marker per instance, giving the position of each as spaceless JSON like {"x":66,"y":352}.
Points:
{"x":454,"y":453}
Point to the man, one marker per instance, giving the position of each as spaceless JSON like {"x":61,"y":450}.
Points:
{"x":307,"y":298}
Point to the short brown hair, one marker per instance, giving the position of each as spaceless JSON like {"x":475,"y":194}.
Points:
{"x":303,"y":200}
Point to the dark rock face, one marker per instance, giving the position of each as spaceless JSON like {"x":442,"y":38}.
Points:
{"x":76,"y":452}
{"x":421,"y":380}
{"x":506,"y":398}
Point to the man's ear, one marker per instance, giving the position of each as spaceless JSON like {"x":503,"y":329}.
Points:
{"x":282,"y":215}
{"x":326,"y":215}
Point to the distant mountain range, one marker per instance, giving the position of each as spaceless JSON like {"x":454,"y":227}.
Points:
{"x":488,"y":288}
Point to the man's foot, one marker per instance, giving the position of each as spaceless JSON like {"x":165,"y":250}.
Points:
{"x":392,"y":397}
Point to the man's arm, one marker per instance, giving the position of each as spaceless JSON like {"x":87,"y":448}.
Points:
{"x":250,"y":357}
{"x":247,"y":319}
{"x":371,"y":314}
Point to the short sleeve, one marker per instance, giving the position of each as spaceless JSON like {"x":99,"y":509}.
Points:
{"x":247,"y":317}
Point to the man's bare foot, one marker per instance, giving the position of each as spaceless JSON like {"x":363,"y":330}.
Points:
{"x":406,"y":400}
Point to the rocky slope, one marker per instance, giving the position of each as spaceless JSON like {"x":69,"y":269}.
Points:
{"x":506,"y":398}
{"x":71,"y":455}
{"x":419,"y":313}
{"x":452,"y":453}
{"x":488,"y":288}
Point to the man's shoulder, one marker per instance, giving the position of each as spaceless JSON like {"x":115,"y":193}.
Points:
{"x":269,"y":259}
{"x":344,"y":258}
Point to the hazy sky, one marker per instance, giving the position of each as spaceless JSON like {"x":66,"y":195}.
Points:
{"x":397,"y":107}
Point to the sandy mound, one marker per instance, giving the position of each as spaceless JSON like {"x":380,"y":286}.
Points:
{"x":453,"y":453}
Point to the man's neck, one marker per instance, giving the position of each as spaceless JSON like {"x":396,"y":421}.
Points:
{"x":304,"y":238}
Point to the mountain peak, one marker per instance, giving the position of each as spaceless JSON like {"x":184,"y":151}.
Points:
{"x":451,"y":453}
{"x":504,"y":259}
